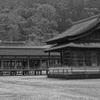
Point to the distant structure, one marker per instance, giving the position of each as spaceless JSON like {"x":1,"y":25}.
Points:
{"x":16,"y":58}
{"x":79,"y":49}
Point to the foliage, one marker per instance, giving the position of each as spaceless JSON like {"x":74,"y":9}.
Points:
{"x":36,"y":21}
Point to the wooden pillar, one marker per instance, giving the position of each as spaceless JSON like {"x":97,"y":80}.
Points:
{"x":40,"y":63}
{"x":15,"y":64}
{"x":49,"y":59}
{"x":84,"y":61}
{"x":61,"y":57}
{"x":15,"y":67}
{"x":2,"y":67}
{"x":77,"y":58}
{"x":41,"y":67}
{"x":28,"y":63}
{"x":74,"y":59}
{"x":93,"y":59}
{"x":11,"y":64}
{"x":47,"y":66}
{"x":48,"y":63}
{"x":53,"y":62}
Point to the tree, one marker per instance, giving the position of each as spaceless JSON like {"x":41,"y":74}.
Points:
{"x":40,"y":25}
{"x":8,"y":29}
{"x":47,"y":11}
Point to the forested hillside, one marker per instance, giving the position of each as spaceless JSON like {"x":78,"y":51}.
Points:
{"x":36,"y":21}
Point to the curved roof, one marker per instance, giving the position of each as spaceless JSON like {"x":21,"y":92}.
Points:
{"x":75,"y":45}
{"x":77,"y":28}
{"x":20,"y":48}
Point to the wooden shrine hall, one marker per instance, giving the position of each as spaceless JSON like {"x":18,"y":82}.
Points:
{"x":79,"y":49}
{"x":16,"y":58}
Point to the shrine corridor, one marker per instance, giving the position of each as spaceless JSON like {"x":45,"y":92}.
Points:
{"x":42,"y":88}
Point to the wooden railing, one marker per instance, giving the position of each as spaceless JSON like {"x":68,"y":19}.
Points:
{"x":17,"y":72}
{"x":74,"y":70}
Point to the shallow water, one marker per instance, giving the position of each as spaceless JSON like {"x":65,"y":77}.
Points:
{"x":42,"y":88}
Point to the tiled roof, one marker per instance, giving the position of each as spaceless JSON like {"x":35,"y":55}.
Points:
{"x":19,"y":48}
{"x":24,"y":47}
{"x":24,"y":50}
{"x":21,"y":52}
{"x":74,"y":45}
{"x":20,"y":45}
{"x":77,"y":28}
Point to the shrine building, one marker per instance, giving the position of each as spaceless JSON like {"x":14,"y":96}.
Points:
{"x":16,"y":58}
{"x":79,"y":49}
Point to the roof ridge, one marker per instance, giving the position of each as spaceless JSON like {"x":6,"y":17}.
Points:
{"x":86,"y":19}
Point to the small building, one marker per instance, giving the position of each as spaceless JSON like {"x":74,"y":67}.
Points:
{"x":79,"y":49}
{"x":16,"y":58}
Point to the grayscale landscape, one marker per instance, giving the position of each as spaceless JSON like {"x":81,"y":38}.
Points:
{"x":42,"y":88}
{"x":35,"y":21}
{"x":58,"y":37}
